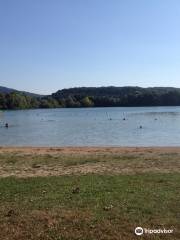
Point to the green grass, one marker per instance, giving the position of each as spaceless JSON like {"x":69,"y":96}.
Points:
{"x":123,"y":191}
{"x":148,"y":200}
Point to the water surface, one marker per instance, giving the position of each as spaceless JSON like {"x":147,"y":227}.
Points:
{"x":92,"y":127}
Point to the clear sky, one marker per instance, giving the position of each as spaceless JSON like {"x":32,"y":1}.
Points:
{"x":46,"y":45}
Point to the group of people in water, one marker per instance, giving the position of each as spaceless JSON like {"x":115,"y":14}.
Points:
{"x":124,"y":119}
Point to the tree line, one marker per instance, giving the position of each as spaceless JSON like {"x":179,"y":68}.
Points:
{"x":94,"y":97}
{"x":15,"y":101}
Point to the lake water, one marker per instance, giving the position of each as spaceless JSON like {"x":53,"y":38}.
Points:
{"x":92,"y":127}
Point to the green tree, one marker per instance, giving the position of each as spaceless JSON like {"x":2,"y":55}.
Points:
{"x":87,"y":102}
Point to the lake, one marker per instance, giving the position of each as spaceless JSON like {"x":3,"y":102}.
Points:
{"x":92,"y":127}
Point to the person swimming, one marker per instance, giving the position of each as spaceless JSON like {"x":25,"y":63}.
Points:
{"x":6,"y":125}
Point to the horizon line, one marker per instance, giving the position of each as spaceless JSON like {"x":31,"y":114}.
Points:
{"x":65,"y":88}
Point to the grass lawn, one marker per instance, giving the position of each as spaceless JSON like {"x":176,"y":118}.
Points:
{"x":94,"y":205}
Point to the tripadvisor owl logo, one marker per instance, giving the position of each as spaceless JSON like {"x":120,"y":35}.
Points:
{"x":139,"y":231}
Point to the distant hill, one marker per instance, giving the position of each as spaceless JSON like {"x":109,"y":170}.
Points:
{"x":91,"y":97}
{"x":112,"y":91}
{"x":119,"y":96}
{"x":10,"y":90}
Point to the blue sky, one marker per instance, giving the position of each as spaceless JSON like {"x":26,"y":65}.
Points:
{"x":46,"y":45}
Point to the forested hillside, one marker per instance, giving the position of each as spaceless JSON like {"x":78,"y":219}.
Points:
{"x":11,"y":90}
{"x":93,"y":97}
{"x":119,"y":96}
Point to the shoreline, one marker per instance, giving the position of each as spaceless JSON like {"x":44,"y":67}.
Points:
{"x":87,"y":149}
{"x":52,"y":161}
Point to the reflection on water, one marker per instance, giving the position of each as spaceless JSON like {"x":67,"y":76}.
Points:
{"x":144,"y":126}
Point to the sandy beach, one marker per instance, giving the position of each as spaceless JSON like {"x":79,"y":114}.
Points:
{"x":89,"y":150}
{"x":49,"y":161}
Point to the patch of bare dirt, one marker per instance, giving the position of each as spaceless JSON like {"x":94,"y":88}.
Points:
{"x":100,"y":161}
{"x":88,"y":150}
